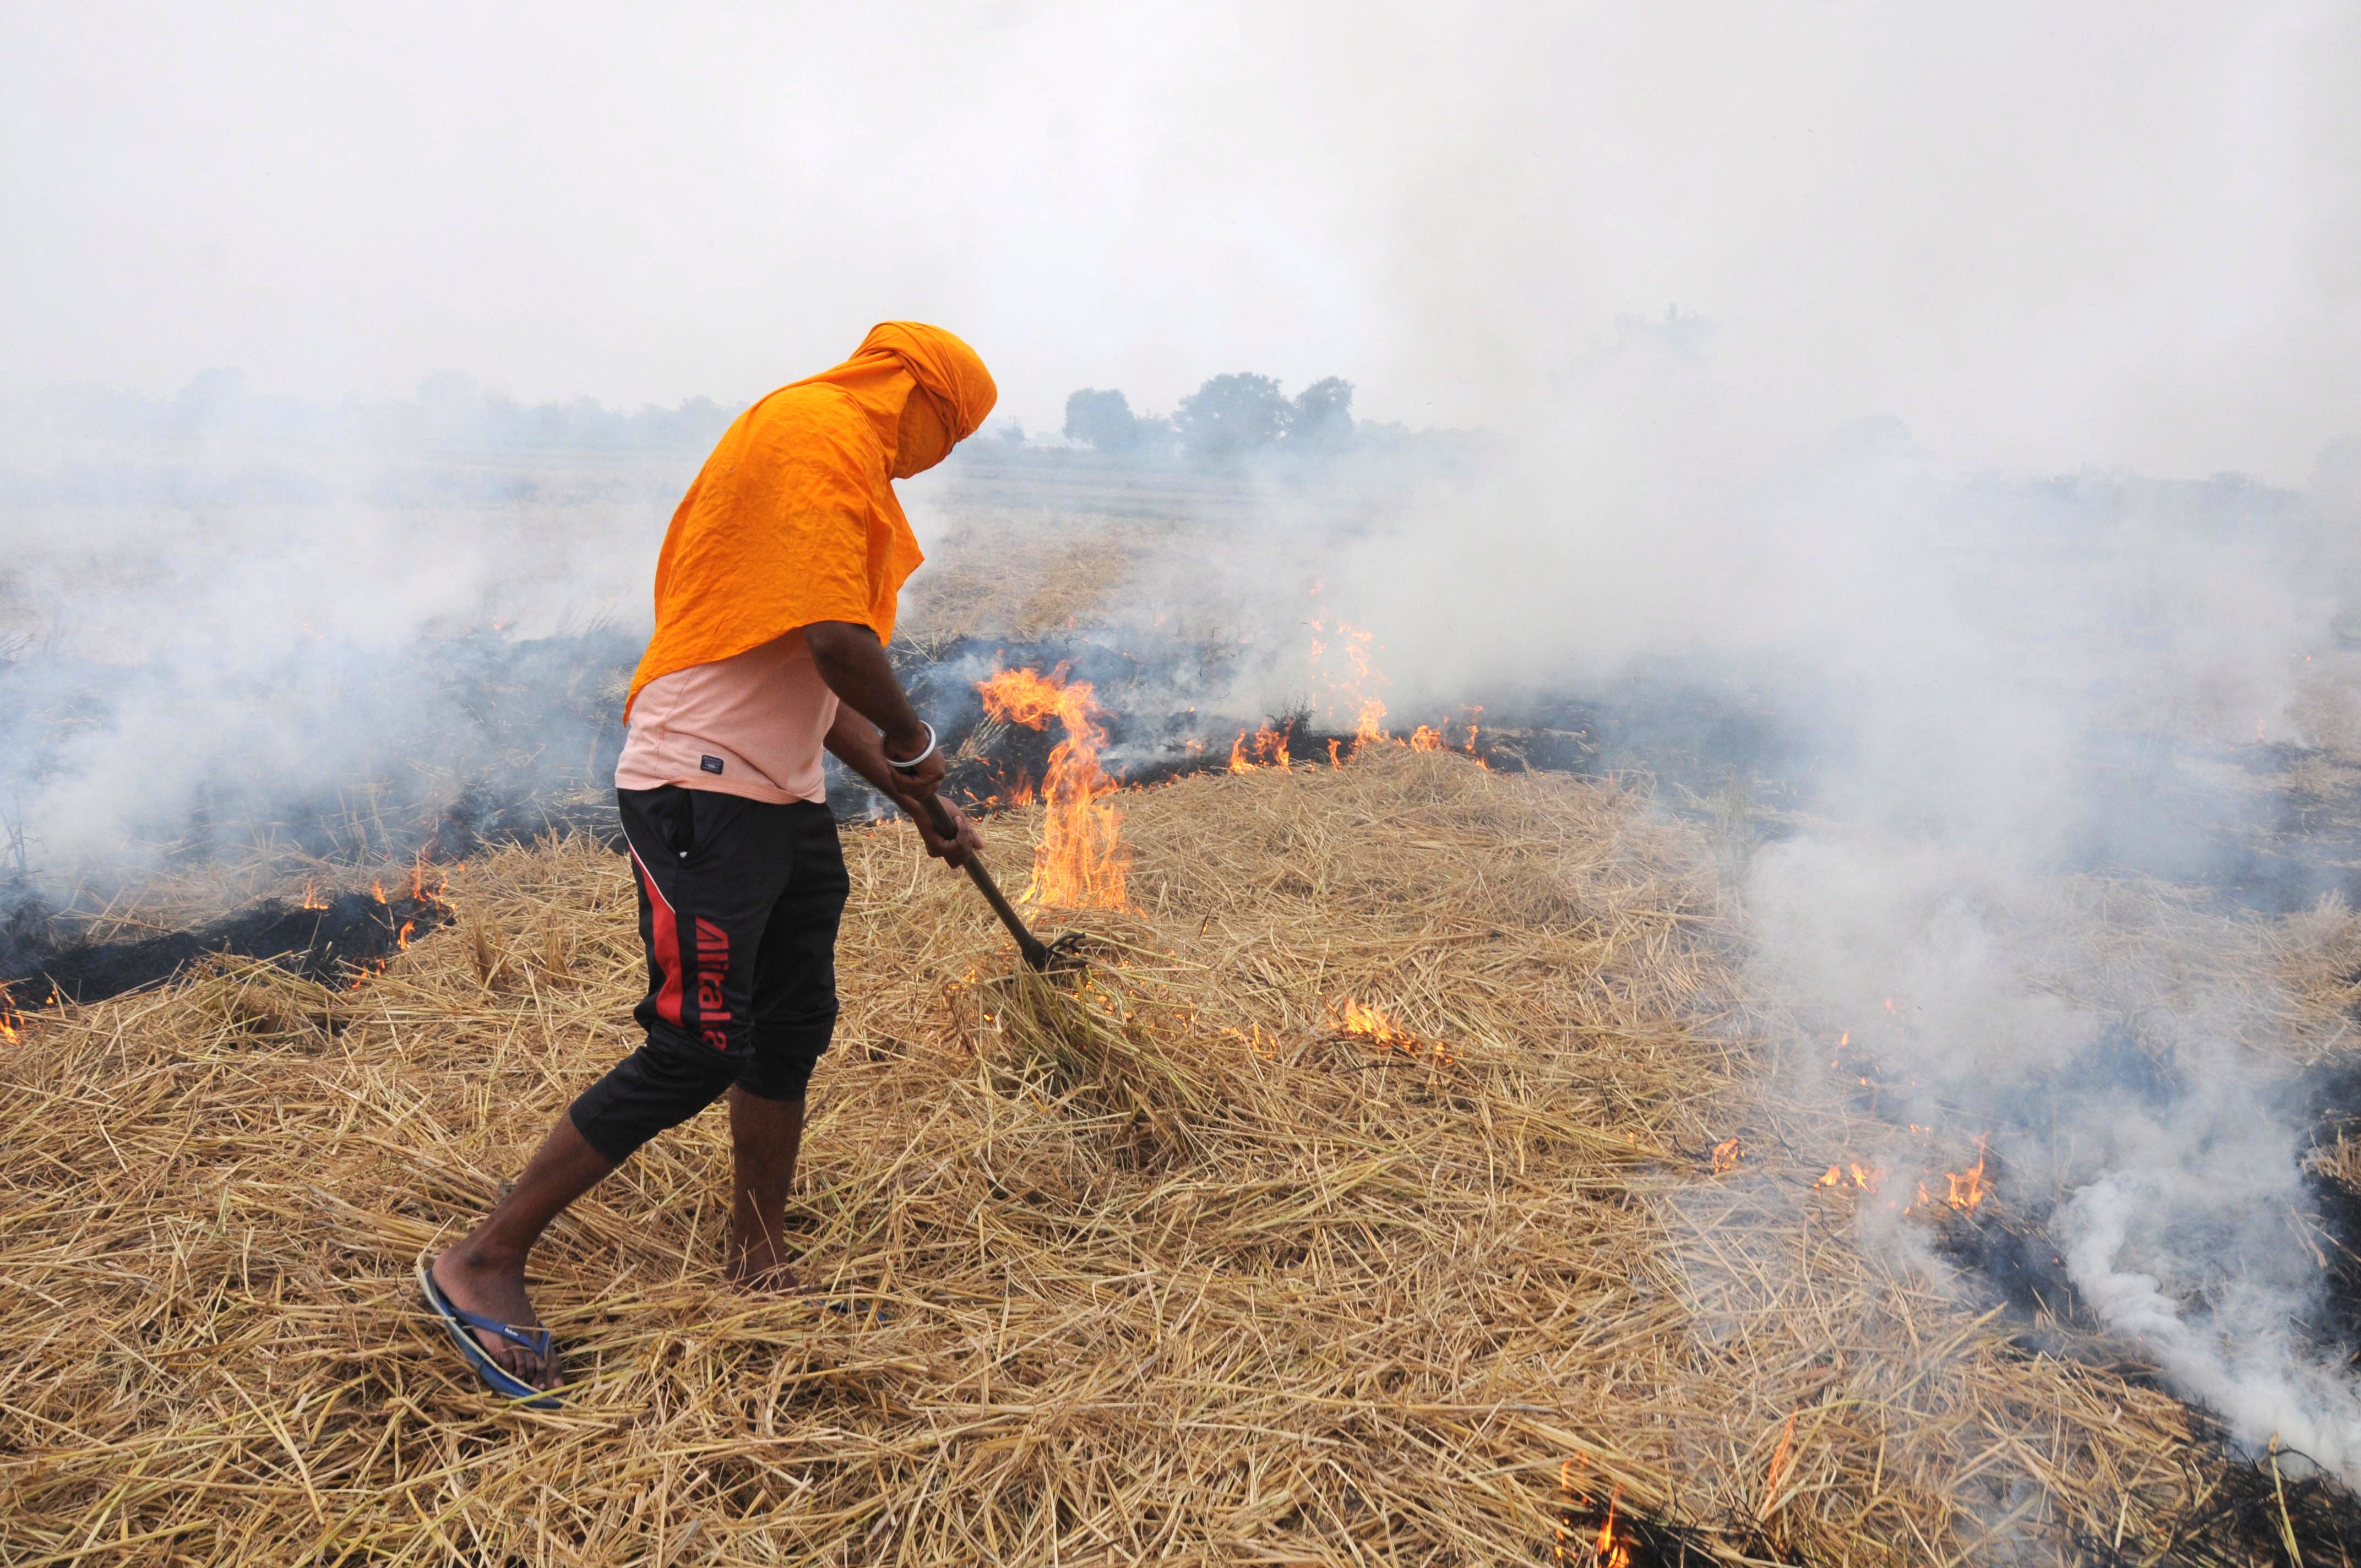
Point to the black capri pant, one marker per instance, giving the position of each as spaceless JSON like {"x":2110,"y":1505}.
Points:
{"x":739,"y":904}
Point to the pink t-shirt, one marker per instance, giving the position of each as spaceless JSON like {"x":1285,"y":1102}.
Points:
{"x":752,"y":724}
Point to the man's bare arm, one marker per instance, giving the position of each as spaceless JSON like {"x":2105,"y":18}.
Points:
{"x":853,"y":742}
{"x":853,"y":664}
{"x":854,"y":739}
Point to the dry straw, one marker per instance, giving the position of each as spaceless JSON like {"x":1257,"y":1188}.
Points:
{"x":1168,"y":1267}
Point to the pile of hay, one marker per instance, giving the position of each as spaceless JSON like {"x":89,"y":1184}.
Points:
{"x":1191,"y":1276}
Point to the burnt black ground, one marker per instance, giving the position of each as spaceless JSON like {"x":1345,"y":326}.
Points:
{"x":529,"y":730}
{"x":2252,"y":1503}
{"x":1582,"y":1517}
{"x":329,"y":944}
{"x":2249,"y":1513}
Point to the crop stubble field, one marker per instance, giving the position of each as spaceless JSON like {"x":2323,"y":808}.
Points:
{"x":1190,"y":1272}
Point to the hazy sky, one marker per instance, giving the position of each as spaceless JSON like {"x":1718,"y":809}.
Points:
{"x":2042,"y":235}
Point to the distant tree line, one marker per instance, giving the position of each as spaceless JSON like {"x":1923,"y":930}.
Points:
{"x":1228,"y":418}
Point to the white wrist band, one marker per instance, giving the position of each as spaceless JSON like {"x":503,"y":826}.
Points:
{"x":911,"y":764}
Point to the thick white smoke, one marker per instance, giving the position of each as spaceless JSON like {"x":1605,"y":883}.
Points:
{"x":2013,"y":690}
{"x":215,"y":610}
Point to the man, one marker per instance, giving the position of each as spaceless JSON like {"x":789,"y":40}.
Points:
{"x":774,"y":597}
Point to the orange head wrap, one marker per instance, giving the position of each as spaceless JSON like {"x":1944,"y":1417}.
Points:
{"x":794,"y":519}
{"x":945,"y":369}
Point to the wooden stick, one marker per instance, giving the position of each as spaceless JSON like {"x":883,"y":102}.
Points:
{"x":1035,"y":951}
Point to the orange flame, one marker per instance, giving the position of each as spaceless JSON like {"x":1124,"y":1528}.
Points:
{"x":1725,"y":1156}
{"x":1351,"y":690}
{"x":312,"y":899}
{"x":1965,"y":1190}
{"x":1021,"y":793}
{"x":1267,"y":748}
{"x":1864,"y":1177}
{"x":1361,"y":1022}
{"x":1082,"y":860}
{"x":1369,"y":724}
{"x":1345,"y":669}
{"x":401,"y":938}
{"x":12,"y":1025}
{"x":1968,"y":1187}
{"x":1612,"y":1549}
{"x":1267,"y":1049}
{"x":1781,"y":1457}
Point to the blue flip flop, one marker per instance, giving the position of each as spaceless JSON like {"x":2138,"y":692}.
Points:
{"x":458,"y":1322}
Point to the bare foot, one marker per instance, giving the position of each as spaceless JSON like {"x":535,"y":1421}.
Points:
{"x":759,"y":1267}
{"x":494,"y":1287}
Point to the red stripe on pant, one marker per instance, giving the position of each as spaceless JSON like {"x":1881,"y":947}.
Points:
{"x":666,"y":946}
